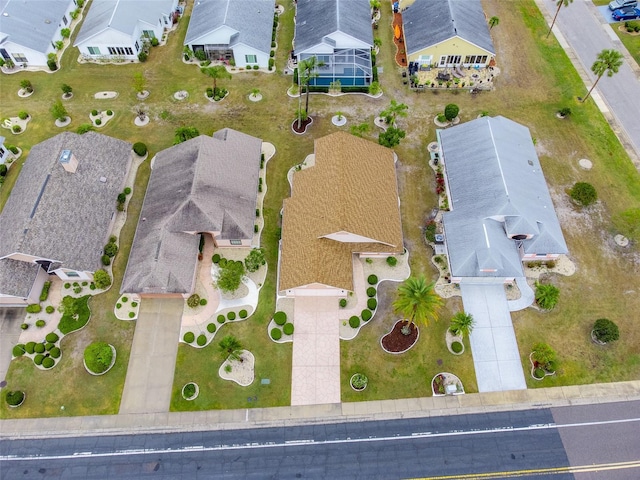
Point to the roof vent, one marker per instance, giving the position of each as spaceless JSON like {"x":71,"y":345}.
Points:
{"x":68,"y":161}
{"x":103,"y":179}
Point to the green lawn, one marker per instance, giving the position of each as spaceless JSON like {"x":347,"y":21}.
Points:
{"x":631,"y":42}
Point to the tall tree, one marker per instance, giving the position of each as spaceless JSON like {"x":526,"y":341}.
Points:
{"x":493,"y":21}
{"x":609,"y":62}
{"x":217,"y":72}
{"x":307,"y":71}
{"x":417,"y":302}
{"x":559,"y":3}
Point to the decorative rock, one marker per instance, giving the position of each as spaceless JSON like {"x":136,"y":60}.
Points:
{"x":142,"y":95}
{"x":621,"y":240}
{"x":585,"y":164}
{"x":141,"y":122}
{"x":433,"y":147}
{"x":103,"y":95}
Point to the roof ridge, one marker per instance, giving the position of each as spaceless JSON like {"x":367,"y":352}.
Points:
{"x":113,"y":13}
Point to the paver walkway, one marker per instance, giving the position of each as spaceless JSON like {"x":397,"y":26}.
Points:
{"x":496,"y":357}
{"x":147,"y":388}
{"x":315,"y":376}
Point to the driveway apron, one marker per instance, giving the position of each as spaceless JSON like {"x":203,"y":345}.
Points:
{"x":493,"y":341}
{"x":315,"y":372}
{"x":147,"y":388}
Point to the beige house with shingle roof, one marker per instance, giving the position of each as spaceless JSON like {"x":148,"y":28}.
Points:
{"x":346,"y":204}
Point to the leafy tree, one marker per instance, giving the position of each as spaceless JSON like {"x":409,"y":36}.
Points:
{"x":375,"y":5}
{"x":58,"y":111}
{"x":66,"y":89}
{"x":393,"y":111}
{"x":584,"y":193}
{"x":605,"y":330}
{"x":101,"y":278}
{"x":547,"y":295}
{"x":559,"y":3}
{"x":451,"y":111}
{"x":230,"y":348}
{"x":417,"y":302}
{"x":493,"y":21}
{"x":307,"y":71}
{"x":183,"y":134}
{"x":359,"y":130}
{"x":255,"y":259}
{"x":139,"y":82}
{"x":230,"y":276}
{"x":609,"y":62}
{"x":391,"y":137}
{"x":65,"y":33}
{"x":462,"y":324}
{"x":217,"y":72}
{"x":98,"y":356}
{"x":544,"y":355}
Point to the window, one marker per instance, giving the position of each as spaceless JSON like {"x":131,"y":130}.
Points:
{"x":149,"y":33}
{"x":120,"y":51}
{"x":93,"y":50}
{"x":64,"y":19}
{"x":236,"y":242}
{"x":20,"y":58}
{"x":72,"y":274}
{"x":137,"y":47}
{"x":128,"y":51}
{"x":250,"y":59}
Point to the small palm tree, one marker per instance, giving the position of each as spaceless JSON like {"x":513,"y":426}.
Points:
{"x":217,"y":72}
{"x":559,"y":3}
{"x":393,"y":111}
{"x":230,"y":348}
{"x":609,"y":62}
{"x":493,"y":21}
{"x":547,"y":295}
{"x":462,"y":324}
{"x":417,"y":302}
{"x":307,"y":71}
{"x":255,"y":92}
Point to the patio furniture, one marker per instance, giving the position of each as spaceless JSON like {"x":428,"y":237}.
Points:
{"x":443,"y":76}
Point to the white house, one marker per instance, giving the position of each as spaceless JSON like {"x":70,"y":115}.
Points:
{"x":227,"y":30}
{"x":116,"y":29}
{"x":30,"y":28}
{"x":4,"y":151}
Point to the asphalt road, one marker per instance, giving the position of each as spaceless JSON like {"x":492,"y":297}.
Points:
{"x":596,"y":440}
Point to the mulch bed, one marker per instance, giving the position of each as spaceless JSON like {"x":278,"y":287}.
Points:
{"x":303,"y":125}
{"x":396,"y":342}
{"x":401,"y":58}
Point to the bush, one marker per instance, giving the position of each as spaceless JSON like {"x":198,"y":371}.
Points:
{"x":584,"y":193}
{"x":605,"y":330}
{"x":343,"y":302}
{"x":211,"y":328}
{"x":110,"y":249}
{"x":77,"y":289}
{"x":280,"y":318}
{"x":30,"y":347}
{"x":24,"y":326}
{"x":38,"y":359}
{"x":75,"y":314}
{"x":242,"y":314}
{"x":52,"y":337}
{"x":3,"y":170}
{"x":49,"y":346}
{"x":372,"y":303}
{"x":271,"y":63}
{"x":98,"y":357}
{"x":154,"y":42}
{"x":231,"y":316}
{"x":45,"y":291}
{"x":366,"y":315}
{"x":546,"y":295}
{"x":456,"y":347}
{"x":51,"y":63}
{"x":451,"y":111}
{"x":48,"y":362}
{"x":230,"y":275}
{"x":256,"y":67}
{"x":372,"y":279}
{"x":55,"y":352}
{"x":189,"y":337}
{"x":132,"y":314}
{"x":118,"y":305}
{"x":193,"y":301}
{"x":14,"y":398}
{"x":33,"y":308}
{"x":539,"y":372}
{"x":16,"y":128}
{"x":41,"y":323}
{"x":255,"y":259}
{"x":101,"y":279}
{"x":276,"y":333}
{"x":18,"y":350}
{"x":189,"y":390}
{"x":39,"y":348}
{"x":392,"y":261}
{"x":354,"y":322}
{"x":371,"y":292}
{"x":142,"y":56}
{"x":222,"y":319}
{"x":203,"y":301}
{"x":22,"y":115}
{"x":288,"y":328}
{"x":84,"y":128}
{"x":94,"y":112}
{"x":106,"y":260}
{"x":140,"y":149}
{"x":215,"y":258}
{"x":127,"y":191}
{"x":202,"y":340}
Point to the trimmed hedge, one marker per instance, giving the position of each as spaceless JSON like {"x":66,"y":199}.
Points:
{"x":33,"y":308}
{"x":366,"y":315}
{"x":39,"y":348}
{"x":45,"y":291}
{"x":276,"y":333}
{"x":14,"y":398}
{"x":280,"y":318}
{"x":18,"y":350}
{"x":140,"y":149}
{"x":40,"y":323}
{"x":231,"y":315}
{"x":371,"y":292}
{"x":203,"y":302}
{"x":222,"y":319}
{"x":605,"y":330}
{"x":202,"y":339}
{"x":392,"y":261}
{"x":343,"y":302}
{"x":372,"y":279}
{"x":354,"y":322}
{"x":48,"y":362}
{"x":55,"y":352}
{"x":211,"y":328}
{"x":288,"y":328}
{"x":52,"y":337}
{"x":456,"y":347}
{"x":49,"y":346}
{"x":38,"y":359}
{"x":242,"y":314}
{"x":215,"y":258}
{"x":372,"y":303}
{"x":30,"y":347}
{"x":189,"y":337}
{"x":49,"y":309}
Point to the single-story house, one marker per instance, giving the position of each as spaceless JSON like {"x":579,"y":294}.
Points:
{"x":345,"y":205}
{"x":501,"y":210}
{"x":228,"y":30}
{"x":116,"y":29}
{"x":339,"y":34}
{"x":30,"y":28}
{"x":204,"y":186}
{"x":447,"y":33}
{"x":60,"y":213}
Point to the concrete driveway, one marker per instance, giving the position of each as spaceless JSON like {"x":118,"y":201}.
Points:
{"x":10,"y":321}
{"x":496,"y":357}
{"x":147,"y":388}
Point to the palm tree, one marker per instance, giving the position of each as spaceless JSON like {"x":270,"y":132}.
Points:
{"x":217,"y":72}
{"x":307,"y":70}
{"x":559,"y":3}
{"x":547,"y":295}
{"x":462,"y":324}
{"x":417,"y":302}
{"x":608,"y":61}
{"x":393,"y":111}
{"x":493,"y":21}
{"x":230,"y":348}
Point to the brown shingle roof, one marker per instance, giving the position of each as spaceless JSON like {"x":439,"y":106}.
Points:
{"x":352,"y":188}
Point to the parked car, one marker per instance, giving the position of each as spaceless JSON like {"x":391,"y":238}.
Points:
{"x":626,"y":14}
{"x":617,"y":4}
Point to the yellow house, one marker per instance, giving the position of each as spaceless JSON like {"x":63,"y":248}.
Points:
{"x":447,"y":33}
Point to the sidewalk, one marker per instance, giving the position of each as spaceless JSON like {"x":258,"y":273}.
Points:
{"x":319,"y":414}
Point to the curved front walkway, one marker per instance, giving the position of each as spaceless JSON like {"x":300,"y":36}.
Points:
{"x":527,"y":296}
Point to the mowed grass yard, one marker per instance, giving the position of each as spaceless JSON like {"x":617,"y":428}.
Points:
{"x":536,"y":80}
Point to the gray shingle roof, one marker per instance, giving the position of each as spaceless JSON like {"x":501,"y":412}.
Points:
{"x":497,"y":187}
{"x":16,"y":277}
{"x":317,"y":19}
{"x":206,"y":184}
{"x":62,"y":216}
{"x":121,"y":16}
{"x":252,"y":19}
{"x":31,"y":23}
{"x":428,"y":22}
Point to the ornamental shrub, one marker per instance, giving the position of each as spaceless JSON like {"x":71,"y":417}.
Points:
{"x":49,"y":346}
{"x":354,"y":322}
{"x":222,"y":319}
{"x":366,"y":315}
{"x":110,"y":249}
{"x":14,"y":398}
{"x":276,"y":333}
{"x":211,"y":328}
{"x":231,"y":315}
{"x":605,"y":330}
{"x":372,"y":303}
{"x":189,"y":390}
{"x":33,"y":308}
{"x":140,"y":149}
{"x":584,"y":193}
{"x":101,"y":279}
{"x":343,"y":302}
{"x":392,"y":261}
{"x":22,"y":115}
{"x":52,"y":337}
{"x":38,"y":359}
{"x":280,"y":318}
{"x":194,"y":300}
{"x":16,"y":128}
{"x":40,"y":323}
{"x":98,"y":357}
{"x":189,"y":337}
{"x":203,"y":301}
{"x":55,"y":352}
{"x":48,"y":362}
{"x":451,"y":111}
{"x":127,"y":190}
{"x":132,"y":314}
{"x":134,"y":304}
{"x":24,"y":326}
{"x":539,"y":372}
{"x":39,"y":348}
{"x":288,"y":328}
{"x":94,"y":112}
{"x":215,"y":258}
{"x":30,"y":347}
{"x":371,"y":292}
{"x":372,"y":279}
{"x":18,"y":350}
{"x":242,"y":314}
{"x":106,"y":260}
{"x":456,"y":347}
{"x":118,"y":305}
{"x":109,"y":112}
{"x":49,"y":309}
{"x":202,"y":339}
